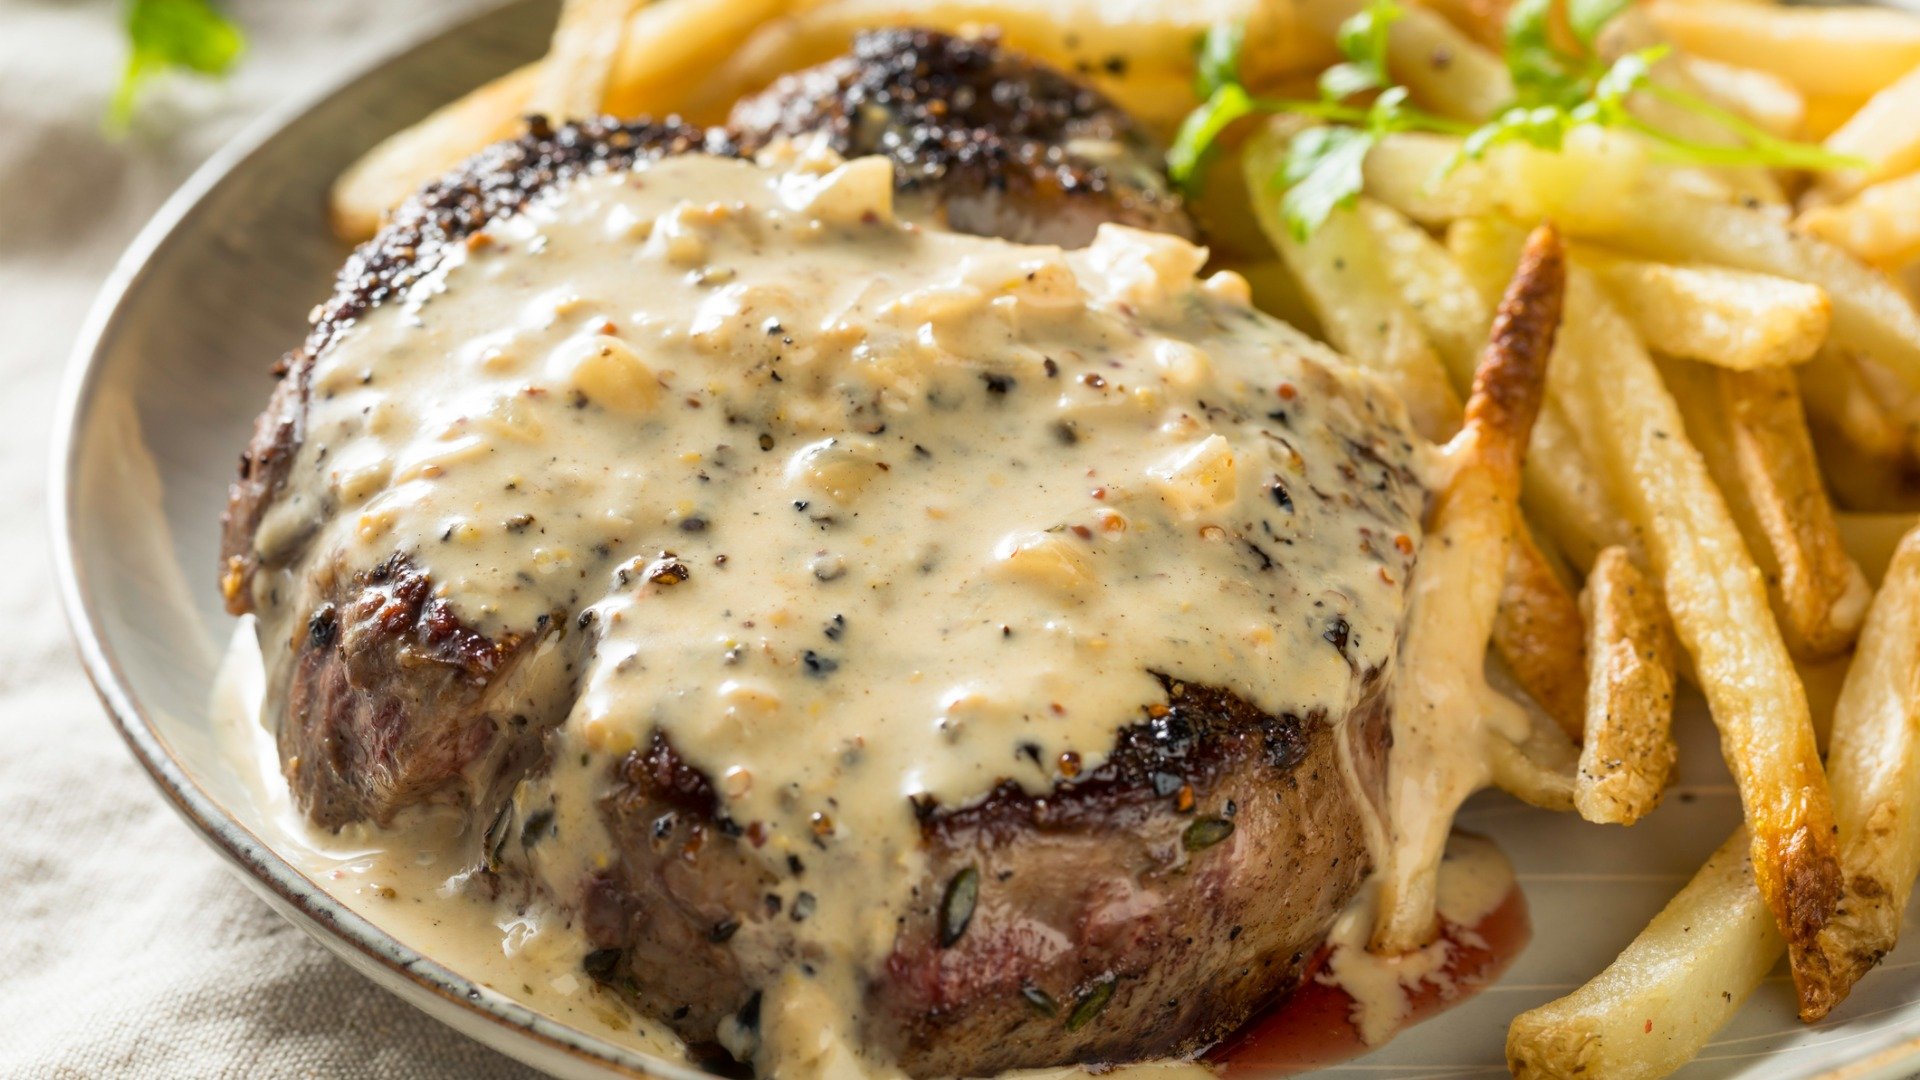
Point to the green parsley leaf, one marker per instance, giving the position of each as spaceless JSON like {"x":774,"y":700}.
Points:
{"x":167,"y":35}
{"x":1588,"y":17}
{"x":1217,"y":63}
{"x":1322,"y":173}
{"x":1541,"y":73}
{"x":1362,"y":39}
{"x":1193,"y":144}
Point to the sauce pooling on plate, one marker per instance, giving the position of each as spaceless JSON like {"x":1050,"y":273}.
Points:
{"x":857,"y":515}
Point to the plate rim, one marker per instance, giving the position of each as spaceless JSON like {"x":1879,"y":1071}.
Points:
{"x":290,"y":892}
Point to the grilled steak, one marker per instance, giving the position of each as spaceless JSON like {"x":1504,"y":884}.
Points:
{"x":1143,"y":908}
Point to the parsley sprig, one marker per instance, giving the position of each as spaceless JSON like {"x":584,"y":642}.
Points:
{"x":168,"y":35}
{"x":1555,"y":92}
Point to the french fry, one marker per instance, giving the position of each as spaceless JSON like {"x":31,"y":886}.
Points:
{"x":1764,"y":98}
{"x":1836,"y":51}
{"x":1885,"y":131}
{"x":1485,"y":21}
{"x":384,"y":176}
{"x":1632,"y":31}
{"x":1564,"y":493}
{"x":1862,"y":446}
{"x":1665,"y":995}
{"x":1752,"y":433}
{"x":1539,"y":633}
{"x":1870,"y":313}
{"x":1718,"y":603}
{"x":1450,"y":308}
{"x":1445,"y":699}
{"x":1880,"y":224}
{"x":1138,"y":53}
{"x":1873,"y":763}
{"x":1733,"y":318}
{"x":1344,"y":277}
{"x":1446,"y":70}
{"x":1561,"y":488}
{"x":1628,"y":753}
{"x":579,"y":64}
{"x":670,"y":45}
{"x":1823,"y":593}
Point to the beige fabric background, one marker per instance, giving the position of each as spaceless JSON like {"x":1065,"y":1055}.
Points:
{"x":127,"y":949}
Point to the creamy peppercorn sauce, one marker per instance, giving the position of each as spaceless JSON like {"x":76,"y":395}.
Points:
{"x":855,"y":512}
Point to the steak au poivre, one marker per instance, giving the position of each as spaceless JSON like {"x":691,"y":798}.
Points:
{"x":812,"y":602}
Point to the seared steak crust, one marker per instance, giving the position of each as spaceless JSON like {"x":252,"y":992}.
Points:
{"x":995,"y":141}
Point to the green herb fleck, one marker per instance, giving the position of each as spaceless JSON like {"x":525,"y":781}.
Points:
{"x":956,"y":907}
{"x":1039,"y":1000}
{"x":1206,"y":832}
{"x":172,"y":35}
{"x":1090,"y":1004}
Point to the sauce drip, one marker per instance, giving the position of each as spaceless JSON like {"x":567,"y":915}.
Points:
{"x":1316,"y":1026}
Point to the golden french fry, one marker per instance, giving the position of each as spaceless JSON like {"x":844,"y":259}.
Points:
{"x":1880,"y":224}
{"x":1752,"y":433}
{"x":1862,"y":446}
{"x":1445,"y":701}
{"x":1632,"y":31}
{"x":1873,"y":764}
{"x":1837,"y":51}
{"x":671,"y":45}
{"x":1828,"y":114}
{"x":1341,"y":271}
{"x":1446,"y":70}
{"x":579,"y":64}
{"x":1485,"y":21}
{"x":1762,"y":97}
{"x":1870,"y":313}
{"x":1718,"y":603}
{"x":1885,"y":131}
{"x":398,"y":166}
{"x":1628,"y":753}
{"x":1823,"y":593}
{"x":1450,"y":307}
{"x":1537,"y":631}
{"x":1561,"y":490}
{"x":1665,"y":995}
{"x":1733,"y":318}
{"x":1539,"y":634}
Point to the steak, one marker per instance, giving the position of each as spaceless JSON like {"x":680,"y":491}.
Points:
{"x":1144,"y":908}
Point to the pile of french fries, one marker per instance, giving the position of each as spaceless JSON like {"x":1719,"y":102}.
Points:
{"x":1721,"y":478}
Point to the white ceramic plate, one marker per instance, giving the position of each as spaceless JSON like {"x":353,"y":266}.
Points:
{"x":173,"y":367}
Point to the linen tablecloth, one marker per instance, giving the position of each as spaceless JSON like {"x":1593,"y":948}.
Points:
{"x":126,"y":948}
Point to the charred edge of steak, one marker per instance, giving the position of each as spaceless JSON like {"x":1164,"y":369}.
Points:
{"x":497,"y":182}
{"x":967,"y":115}
{"x":380,"y":652}
{"x":1202,"y":732}
{"x":686,"y":881}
